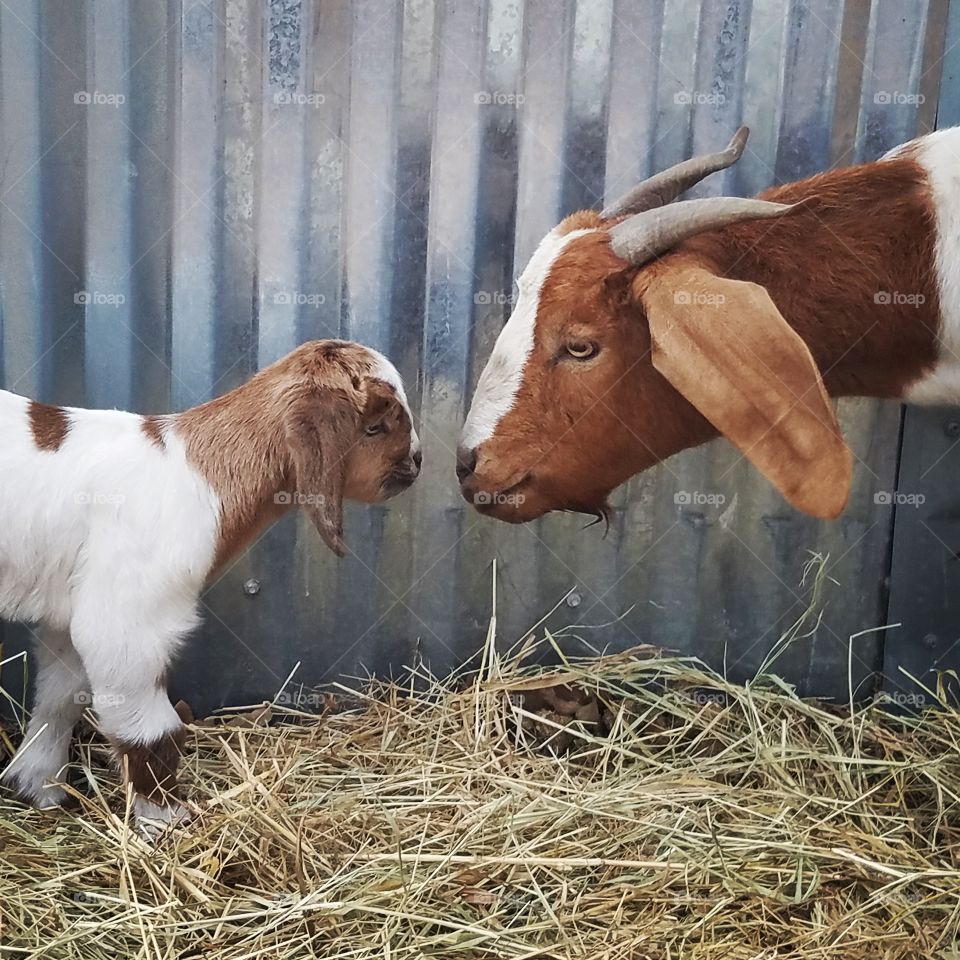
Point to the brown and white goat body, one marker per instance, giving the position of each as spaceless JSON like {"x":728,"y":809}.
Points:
{"x":657,"y":325}
{"x":112,"y":523}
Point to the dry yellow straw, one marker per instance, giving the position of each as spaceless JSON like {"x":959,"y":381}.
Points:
{"x":440,"y":823}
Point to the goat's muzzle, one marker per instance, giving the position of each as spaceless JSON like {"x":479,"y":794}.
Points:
{"x":522,"y":496}
{"x":402,"y":475}
{"x":512,"y":500}
{"x":466,"y":462}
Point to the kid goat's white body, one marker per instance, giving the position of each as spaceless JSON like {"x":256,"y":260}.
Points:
{"x":68,"y":552}
{"x":105,"y":542}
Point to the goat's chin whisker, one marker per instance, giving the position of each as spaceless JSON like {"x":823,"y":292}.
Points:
{"x":605,"y":511}
{"x":600,"y":514}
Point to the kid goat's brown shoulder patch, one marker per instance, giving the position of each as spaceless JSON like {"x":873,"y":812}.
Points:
{"x":152,"y":428}
{"x":49,"y":425}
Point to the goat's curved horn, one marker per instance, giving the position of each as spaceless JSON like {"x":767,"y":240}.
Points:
{"x":662,"y":188}
{"x":646,"y":235}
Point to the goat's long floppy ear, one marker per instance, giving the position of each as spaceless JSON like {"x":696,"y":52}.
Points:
{"x":726,"y":348}
{"x":320,"y":430}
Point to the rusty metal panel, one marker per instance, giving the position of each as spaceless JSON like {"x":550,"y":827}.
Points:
{"x":189,"y":188}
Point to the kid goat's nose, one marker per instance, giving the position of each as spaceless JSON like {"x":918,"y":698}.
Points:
{"x":466,"y":462}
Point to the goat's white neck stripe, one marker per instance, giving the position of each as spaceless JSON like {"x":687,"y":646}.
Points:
{"x":497,"y":389}
{"x":937,"y":154}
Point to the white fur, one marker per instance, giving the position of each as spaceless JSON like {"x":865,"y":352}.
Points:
{"x":106,"y":542}
{"x":109,"y":503}
{"x":939,"y":153}
{"x":498,"y":385}
{"x":386,"y":371}
{"x":61,"y":695}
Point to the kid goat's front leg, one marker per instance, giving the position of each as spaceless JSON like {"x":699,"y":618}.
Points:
{"x":126,"y":654}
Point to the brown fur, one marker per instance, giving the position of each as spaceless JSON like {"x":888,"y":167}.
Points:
{"x":873,"y":230}
{"x":49,"y":425}
{"x":580,"y":429}
{"x":295,"y":434}
{"x":153,"y":428}
{"x":152,"y":768}
{"x":581,"y":220}
{"x":381,"y":406}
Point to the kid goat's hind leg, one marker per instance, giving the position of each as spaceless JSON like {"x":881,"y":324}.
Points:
{"x":58,"y":701}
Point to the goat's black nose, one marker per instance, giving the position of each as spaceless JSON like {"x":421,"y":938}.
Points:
{"x":466,"y":462}
{"x":418,"y":459}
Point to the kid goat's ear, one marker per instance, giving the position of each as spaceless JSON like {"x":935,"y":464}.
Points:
{"x":724,"y":345}
{"x":320,"y":430}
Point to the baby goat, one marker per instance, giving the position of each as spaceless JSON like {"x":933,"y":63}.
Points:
{"x":654,"y":326}
{"x":111,"y":523}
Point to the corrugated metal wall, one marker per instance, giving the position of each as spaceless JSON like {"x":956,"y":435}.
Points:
{"x":190,"y":189}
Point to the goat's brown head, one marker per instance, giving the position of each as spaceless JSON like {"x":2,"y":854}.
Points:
{"x":620,"y":353}
{"x":347,"y":430}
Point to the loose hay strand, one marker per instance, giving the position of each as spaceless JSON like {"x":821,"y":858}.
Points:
{"x":679,"y":816}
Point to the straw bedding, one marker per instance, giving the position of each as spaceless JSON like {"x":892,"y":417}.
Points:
{"x":641,"y":807}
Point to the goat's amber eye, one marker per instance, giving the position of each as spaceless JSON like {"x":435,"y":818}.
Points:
{"x":581,"y":349}
{"x":374,"y":428}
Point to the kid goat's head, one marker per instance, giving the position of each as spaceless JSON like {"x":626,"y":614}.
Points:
{"x":616,"y":357}
{"x":328,"y":422}
{"x":349,"y":432}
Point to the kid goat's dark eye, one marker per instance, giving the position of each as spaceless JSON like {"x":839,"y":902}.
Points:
{"x":374,"y":428}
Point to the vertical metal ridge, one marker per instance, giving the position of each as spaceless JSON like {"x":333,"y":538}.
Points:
{"x":61,"y":167}
{"x":809,"y":92}
{"x":108,"y":283}
{"x":718,"y":93}
{"x":772,"y":64}
{"x":195,"y":186}
{"x":24,"y":292}
{"x":283,"y":291}
{"x":150,"y":81}
{"x":893,"y":61}
{"x":636,"y":35}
